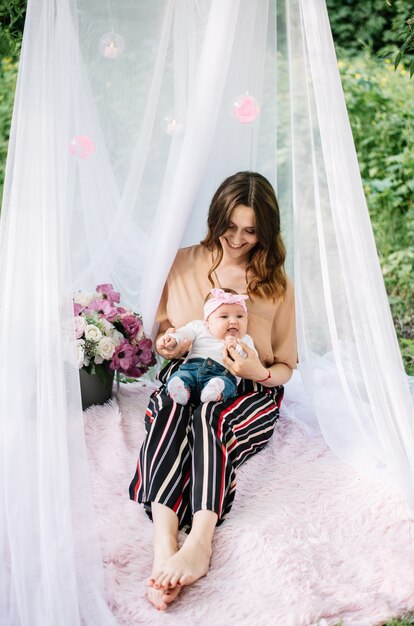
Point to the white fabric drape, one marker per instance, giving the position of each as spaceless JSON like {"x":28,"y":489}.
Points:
{"x":348,"y":351}
{"x":50,"y":570}
{"x":112,"y":163}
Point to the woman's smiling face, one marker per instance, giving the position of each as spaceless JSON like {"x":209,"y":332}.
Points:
{"x":240,"y":236}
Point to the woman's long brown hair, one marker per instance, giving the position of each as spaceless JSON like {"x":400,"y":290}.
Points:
{"x":266,"y":259}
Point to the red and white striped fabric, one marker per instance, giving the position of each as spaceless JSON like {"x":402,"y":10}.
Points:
{"x":189,"y":457}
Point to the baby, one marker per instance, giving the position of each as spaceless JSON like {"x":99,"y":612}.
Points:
{"x":203,"y":372}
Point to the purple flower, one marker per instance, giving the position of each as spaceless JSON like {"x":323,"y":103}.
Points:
{"x":77,"y":308}
{"x":132,"y":325}
{"x":109,"y":293}
{"x":104,"y":308}
{"x":135,"y":371}
{"x":145,"y":352}
{"x":134,"y":354}
{"x":124,"y":356}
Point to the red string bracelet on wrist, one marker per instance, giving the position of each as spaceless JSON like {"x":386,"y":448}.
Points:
{"x":269,"y":373}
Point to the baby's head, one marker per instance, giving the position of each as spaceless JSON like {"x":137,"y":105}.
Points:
{"x":225,"y":313}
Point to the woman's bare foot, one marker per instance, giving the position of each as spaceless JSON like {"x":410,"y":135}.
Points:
{"x":160,"y":597}
{"x":186,"y":566}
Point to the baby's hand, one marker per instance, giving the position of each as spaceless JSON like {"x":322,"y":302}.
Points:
{"x":169,"y":342}
{"x":164,"y":346}
{"x":230,"y":342}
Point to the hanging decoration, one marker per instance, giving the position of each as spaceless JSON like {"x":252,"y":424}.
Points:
{"x":82,"y":146}
{"x":172,"y":126}
{"x":111,"y":45}
{"x":245,"y":108}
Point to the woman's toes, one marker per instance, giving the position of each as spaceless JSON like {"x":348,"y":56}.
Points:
{"x":174,"y":580}
{"x":167,"y":583}
{"x":185,"y":580}
{"x":155,"y":597}
{"x":169,"y":599}
{"x":163,"y":581}
{"x":171,"y":595}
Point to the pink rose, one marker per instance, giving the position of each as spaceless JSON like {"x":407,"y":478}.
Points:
{"x":77,"y":308}
{"x":109,"y":293}
{"x":132,"y":325}
{"x":104,"y":308}
{"x":80,"y":325}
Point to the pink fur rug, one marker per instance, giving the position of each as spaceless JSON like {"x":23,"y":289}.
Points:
{"x":307,"y":542}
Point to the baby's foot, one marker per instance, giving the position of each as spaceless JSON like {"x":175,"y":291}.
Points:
{"x":178,"y":391}
{"x":213,"y":391}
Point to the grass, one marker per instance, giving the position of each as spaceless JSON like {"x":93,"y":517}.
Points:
{"x":407,"y":620}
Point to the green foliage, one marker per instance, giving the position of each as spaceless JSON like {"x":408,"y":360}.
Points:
{"x":384,"y":27}
{"x":8,"y":76}
{"x":406,"y":51}
{"x":379,"y":102}
{"x":408,"y":620}
{"x":105,"y":375}
{"x":12,"y":14}
{"x":357,"y":25}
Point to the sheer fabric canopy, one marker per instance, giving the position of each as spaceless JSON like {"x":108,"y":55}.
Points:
{"x":127,"y":117}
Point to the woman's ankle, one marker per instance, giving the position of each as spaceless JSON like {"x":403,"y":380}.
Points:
{"x":165,"y":522}
{"x":164,"y":541}
{"x":203,"y":527}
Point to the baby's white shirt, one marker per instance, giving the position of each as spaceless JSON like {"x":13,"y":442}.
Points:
{"x":204,"y":344}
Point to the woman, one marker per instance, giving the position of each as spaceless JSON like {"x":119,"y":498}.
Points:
{"x":186,"y":469}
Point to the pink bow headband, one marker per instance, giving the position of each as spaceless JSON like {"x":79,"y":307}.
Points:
{"x":223,"y":297}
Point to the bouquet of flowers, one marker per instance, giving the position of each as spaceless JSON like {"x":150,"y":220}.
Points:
{"x":110,"y":337}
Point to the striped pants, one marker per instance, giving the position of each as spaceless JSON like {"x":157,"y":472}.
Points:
{"x":189,"y":457}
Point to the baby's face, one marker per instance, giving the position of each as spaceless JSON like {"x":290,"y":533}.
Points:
{"x":229,"y":320}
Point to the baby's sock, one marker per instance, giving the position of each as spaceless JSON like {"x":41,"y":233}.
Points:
{"x":178,"y":391}
{"x":212,"y":392}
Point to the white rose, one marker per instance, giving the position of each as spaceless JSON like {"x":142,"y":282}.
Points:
{"x":92,"y":332}
{"x":80,"y":352}
{"x":111,"y":331}
{"x":84,"y":298}
{"x":109,"y":328}
{"x":79,"y":326}
{"x":104,"y":350}
{"x":116,"y":336}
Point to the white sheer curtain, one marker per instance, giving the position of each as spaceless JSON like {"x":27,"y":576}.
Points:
{"x":348,"y":351}
{"x":50,"y":571}
{"x":127,"y":117}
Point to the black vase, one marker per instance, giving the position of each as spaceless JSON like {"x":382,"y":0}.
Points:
{"x":93,"y":390}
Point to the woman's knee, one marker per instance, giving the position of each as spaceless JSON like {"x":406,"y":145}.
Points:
{"x":159,"y":408}
{"x":206,"y":415}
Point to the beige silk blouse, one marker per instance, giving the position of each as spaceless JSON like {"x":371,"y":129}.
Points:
{"x":271,"y":322}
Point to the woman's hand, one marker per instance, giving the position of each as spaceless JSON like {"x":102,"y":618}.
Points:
{"x":163,"y":346}
{"x":249,"y":367}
